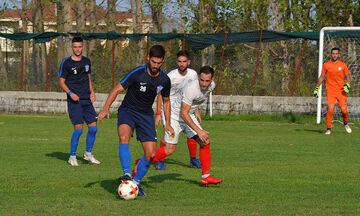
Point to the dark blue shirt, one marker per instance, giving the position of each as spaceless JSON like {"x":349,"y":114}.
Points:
{"x":76,"y":74}
{"x":143,"y":88}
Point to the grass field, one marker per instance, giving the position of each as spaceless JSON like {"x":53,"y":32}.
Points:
{"x":268,"y":167}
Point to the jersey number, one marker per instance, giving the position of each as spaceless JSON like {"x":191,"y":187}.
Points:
{"x":143,"y":88}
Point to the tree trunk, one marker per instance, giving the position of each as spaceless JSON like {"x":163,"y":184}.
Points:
{"x":81,"y":19}
{"x":111,"y":16}
{"x":24,"y":22}
{"x":3,"y":72}
{"x":92,"y":26}
{"x":64,"y":24}
{"x":39,"y":50}
{"x":138,"y":29}
{"x":157,"y":18}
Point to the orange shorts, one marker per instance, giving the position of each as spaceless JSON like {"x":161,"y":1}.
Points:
{"x":338,"y":96}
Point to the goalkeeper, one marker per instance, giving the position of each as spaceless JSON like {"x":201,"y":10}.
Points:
{"x":336,"y":88}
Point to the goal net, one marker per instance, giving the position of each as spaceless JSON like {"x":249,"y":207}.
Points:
{"x":347,"y":39}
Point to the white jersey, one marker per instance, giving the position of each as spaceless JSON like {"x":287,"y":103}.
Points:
{"x":178,"y":81}
{"x":192,"y":95}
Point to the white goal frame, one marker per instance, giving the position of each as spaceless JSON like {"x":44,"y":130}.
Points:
{"x":321,"y":56}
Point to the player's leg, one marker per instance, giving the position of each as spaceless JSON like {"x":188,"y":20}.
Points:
{"x":329,"y":116}
{"x":169,"y":145}
{"x":192,"y":146}
{"x":342,"y":102}
{"x":90,"y":117}
{"x":126,"y":126}
{"x":205,"y":155}
{"x":76,"y":117}
{"x":146,"y":134}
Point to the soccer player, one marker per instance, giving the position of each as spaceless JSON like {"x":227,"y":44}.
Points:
{"x":179,"y":78}
{"x":336,"y":88}
{"x":75,"y":80}
{"x":183,"y":119}
{"x":142,"y":84}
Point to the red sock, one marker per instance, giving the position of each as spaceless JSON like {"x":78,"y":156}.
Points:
{"x":345,"y":115}
{"x":329,"y":117}
{"x":160,"y":155}
{"x":205,"y":159}
{"x":192,"y":145}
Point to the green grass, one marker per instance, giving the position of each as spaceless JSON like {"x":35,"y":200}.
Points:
{"x":268,"y":167}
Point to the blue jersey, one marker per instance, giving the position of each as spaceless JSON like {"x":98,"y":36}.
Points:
{"x":76,"y":74}
{"x":143,"y":88}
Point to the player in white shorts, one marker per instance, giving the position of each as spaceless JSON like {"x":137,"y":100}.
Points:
{"x":183,"y":119}
{"x":179,"y":78}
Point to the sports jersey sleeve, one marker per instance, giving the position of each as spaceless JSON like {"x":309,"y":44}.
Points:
{"x":64,"y":70}
{"x":128,"y":80}
{"x":324,"y":69}
{"x":88,"y":70}
{"x":165,"y":92}
{"x":346,"y":69}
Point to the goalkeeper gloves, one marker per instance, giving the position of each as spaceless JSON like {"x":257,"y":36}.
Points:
{"x":316,"y":91}
{"x":347,"y":87}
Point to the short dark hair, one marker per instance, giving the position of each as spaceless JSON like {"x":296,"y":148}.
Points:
{"x":183,"y":53}
{"x":335,"y":48}
{"x":157,"y":51}
{"x":77,"y":39}
{"x":207,"y":70}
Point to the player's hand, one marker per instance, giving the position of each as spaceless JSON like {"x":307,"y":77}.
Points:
{"x":92,"y":97}
{"x":169,"y":130}
{"x":204,"y":137}
{"x":347,"y":87}
{"x":316,"y":92}
{"x":74,"y":97}
{"x":103,"y":114}
{"x":157,"y":120}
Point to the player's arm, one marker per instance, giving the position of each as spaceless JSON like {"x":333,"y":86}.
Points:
{"x":347,"y":84}
{"x":66,"y":89}
{"x":203,"y":135}
{"x":92,"y":92}
{"x":198,"y":115}
{"x":167,"y":111}
{"x":110,"y":99}
{"x":158,"y":110}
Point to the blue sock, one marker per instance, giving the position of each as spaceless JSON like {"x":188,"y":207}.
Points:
{"x":125,"y":157}
{"x":90,"y":138}
{"x":75,"y":141}
{"x":142,"y":169}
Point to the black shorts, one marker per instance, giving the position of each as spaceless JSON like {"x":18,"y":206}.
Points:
{"x":144,"y":124}
{"x":80,"y":111}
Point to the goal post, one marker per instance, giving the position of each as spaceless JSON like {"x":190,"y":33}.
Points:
{"x":331,"y":37}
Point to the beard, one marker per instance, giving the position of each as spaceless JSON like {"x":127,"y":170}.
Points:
{"x":151,"y":70}
{"x":182,"y":70}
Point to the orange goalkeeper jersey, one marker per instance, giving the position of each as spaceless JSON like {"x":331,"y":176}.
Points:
{"x":334,"y":72}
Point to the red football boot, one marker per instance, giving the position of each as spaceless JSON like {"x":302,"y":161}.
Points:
{"x":135,"y":168}
{"x":210,"y":180}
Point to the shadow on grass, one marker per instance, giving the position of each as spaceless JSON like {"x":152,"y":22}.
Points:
{"x":311,"y":130}
{"x":111,"y":185}
{"x":64,"y":156}
{"x":172,"y":161}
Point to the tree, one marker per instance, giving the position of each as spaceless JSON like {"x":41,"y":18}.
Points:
{"x":64,"y":24}
{"x":81,"y":17}
{"x":39,"y":50}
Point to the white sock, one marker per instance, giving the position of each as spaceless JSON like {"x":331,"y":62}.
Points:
{"x":205,"y":176}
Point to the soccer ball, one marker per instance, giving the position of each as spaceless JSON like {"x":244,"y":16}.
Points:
{"x":128,"y":190}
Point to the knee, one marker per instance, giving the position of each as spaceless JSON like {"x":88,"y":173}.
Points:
{"x":330,"y":111}
{"x":170,"y":149}
{"x":124,"y":138}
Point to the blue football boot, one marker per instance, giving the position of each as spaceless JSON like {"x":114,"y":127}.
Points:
{"x":195,"y":162}
{"x":141,"y":192}
{"x":160,"y":165}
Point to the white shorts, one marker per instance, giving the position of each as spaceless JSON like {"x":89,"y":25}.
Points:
{"x":178,"y":124}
